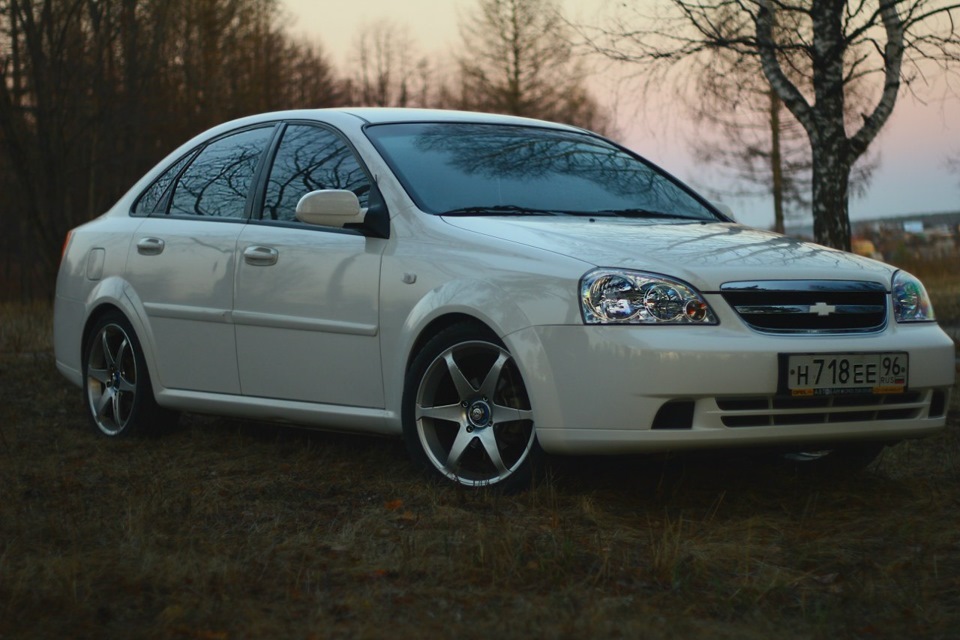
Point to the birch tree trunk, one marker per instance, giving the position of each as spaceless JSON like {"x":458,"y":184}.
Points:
{"x":824,"y":121}
{"x":831,"y":157}
{"x":831,"y":178}
{"x":776,"y":162}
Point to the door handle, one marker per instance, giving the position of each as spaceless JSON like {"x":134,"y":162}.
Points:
{"x":260,"y":256}
{"x":150,"y":246}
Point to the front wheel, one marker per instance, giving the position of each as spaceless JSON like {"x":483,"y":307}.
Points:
{"x":466,"y":414}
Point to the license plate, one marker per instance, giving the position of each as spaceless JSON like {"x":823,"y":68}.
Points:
{"x":822,"y":374}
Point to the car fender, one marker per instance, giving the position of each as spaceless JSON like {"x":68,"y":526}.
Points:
{"x":478,"y":299}
{"x":116,"y":292}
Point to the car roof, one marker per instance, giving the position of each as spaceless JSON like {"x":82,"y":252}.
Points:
{"x":389,"y":115}
{"x":384,"y":115}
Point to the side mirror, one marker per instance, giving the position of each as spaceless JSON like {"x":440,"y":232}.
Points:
{"x":330,"y":208}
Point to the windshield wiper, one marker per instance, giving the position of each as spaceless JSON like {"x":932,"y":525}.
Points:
{"x":501,"y":209}
{"x":639,"y":213}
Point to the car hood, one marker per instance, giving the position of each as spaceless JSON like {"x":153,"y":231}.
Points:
{"x":705,"y":255}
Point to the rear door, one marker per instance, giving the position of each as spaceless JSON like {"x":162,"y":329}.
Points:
{"x":182,"y":262}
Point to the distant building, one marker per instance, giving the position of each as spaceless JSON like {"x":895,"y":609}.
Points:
{"x":923,"y":236}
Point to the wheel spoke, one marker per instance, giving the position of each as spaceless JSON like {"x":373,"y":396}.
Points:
{"x":488,"y":438}
{"x":117,"y":398}
{"x":125,"y":383}
{"x":100,"y":375}
{"x":489,"y":386}
{"x":460,"y":445}
{"x":448,"y":413}
{"x":105,"y":346}
{"x":510,"y":414}
{"x":105,"y":400}
{"x":121,"y":352}
{"x":464,"y":389}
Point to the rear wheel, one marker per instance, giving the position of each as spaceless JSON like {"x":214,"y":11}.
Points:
{"x":466,"y":414}
{"x":116,"y":383}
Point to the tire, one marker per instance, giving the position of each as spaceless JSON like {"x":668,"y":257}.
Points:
{"x":466,"y":414}
{"x":116,"y":383}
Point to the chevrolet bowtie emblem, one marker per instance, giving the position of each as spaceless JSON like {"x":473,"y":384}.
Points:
{"x":822,"y":309}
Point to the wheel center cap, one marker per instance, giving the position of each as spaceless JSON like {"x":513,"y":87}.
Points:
{"x":479,"y":414}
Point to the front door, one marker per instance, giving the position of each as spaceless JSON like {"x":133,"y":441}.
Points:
{"x":307,"y":298}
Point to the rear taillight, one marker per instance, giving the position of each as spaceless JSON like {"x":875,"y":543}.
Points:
{"x":66,"y":243}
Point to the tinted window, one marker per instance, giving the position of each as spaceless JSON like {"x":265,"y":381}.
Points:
{"x":150,"y":199}
{"x":308,"y":159}
{"x":216,"y":184}
{"x":480,"y":169}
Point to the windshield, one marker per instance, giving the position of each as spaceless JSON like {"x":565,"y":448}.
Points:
{"x":485,"y":169}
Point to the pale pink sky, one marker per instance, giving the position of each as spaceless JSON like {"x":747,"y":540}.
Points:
{"x":913,"y":146}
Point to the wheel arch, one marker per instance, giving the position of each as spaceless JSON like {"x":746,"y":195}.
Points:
{"x":440,"y":323}
{"x":114,"y":295}
{"x":96,"y":314}
{"x":468,"y":300}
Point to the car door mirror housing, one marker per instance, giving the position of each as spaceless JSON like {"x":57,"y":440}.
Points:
{"x":331,"y":208}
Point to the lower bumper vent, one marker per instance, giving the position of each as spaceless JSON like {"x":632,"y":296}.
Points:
{"x":766,"y":411}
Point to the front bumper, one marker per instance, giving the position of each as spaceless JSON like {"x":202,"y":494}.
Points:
{"x":622,"y":389}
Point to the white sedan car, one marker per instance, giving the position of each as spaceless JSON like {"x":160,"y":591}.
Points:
{"x":487,"y":287}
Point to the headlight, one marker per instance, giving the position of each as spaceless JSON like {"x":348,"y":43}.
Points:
{"x":910,"y":300}
{"x":609,"y":296}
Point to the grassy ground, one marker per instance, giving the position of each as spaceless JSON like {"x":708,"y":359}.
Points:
{"x":226,"y":529}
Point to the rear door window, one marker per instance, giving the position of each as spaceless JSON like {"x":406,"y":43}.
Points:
{"x":217,"y":184}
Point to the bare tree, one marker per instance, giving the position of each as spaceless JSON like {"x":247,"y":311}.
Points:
{"x":744,"y":129}
{"x":518,"y":59}
{"x":953,"y":164}
{"x":94,"y":92}
{"x":389,"y":74}
{"x":886,"y":43}
{"x":310,"y":80}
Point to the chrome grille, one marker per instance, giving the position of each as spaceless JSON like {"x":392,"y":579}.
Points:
{"x":809,"y":306}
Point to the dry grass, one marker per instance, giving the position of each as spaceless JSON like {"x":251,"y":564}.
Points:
{"x":226,"y":529}
{"x":25,"y":328}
